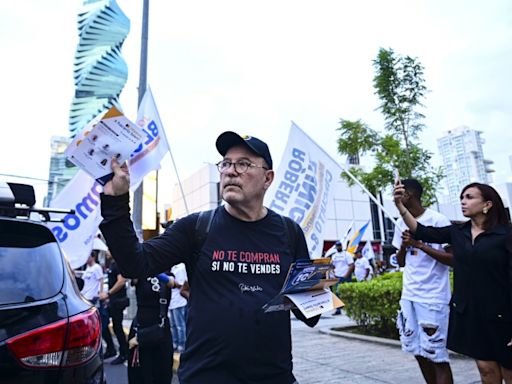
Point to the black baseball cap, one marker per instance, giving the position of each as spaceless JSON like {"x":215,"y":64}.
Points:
{"x":229,"y":139}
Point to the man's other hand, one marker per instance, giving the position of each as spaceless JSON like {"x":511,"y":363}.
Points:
{"x":120,"y":183}
{"x":408,"y":240}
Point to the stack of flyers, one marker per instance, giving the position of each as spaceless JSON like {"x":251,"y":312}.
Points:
{"x":307,"y":288}
{"x":307,"y":275}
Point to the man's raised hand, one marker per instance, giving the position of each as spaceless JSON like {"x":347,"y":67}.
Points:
{"x":120,"y":183}
{"x":398,"y":193}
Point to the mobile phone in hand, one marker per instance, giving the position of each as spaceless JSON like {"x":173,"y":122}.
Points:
{"x":396,"y":176}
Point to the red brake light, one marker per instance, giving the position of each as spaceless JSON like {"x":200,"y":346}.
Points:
{"x":44,"y":347}
{"x":84,"y":337}
{"x":41,"y":346}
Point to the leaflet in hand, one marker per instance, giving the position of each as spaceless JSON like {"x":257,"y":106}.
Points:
{"x":111,"y":135}
{"x":306,"y":288}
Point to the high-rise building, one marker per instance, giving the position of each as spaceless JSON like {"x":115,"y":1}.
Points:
{"x":100,"y":71}
{"x":60,"y":173}
{"x":463,"y":160}
{"x":100,"y":74}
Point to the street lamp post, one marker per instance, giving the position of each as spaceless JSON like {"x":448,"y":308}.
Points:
{"x":137,"y":195}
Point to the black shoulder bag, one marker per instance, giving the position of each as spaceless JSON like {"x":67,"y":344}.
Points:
{"x":152,"y":336}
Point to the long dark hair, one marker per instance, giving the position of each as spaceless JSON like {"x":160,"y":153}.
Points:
{"x":497,"y":214}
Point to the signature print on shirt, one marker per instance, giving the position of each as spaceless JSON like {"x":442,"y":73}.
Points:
{"x":249,"y":288}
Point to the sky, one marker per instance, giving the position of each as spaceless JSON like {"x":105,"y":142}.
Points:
{"x":253,"y":67}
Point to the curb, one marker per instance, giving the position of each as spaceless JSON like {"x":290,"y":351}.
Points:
{"x":354,"y":336}
{"x":376,"y":340}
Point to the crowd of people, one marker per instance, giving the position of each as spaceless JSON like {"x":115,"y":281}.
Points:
{"x":152,"y":338}
{"x":231,"y":340}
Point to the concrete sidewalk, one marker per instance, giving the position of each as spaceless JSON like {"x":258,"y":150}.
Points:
{"x":323,"y":356}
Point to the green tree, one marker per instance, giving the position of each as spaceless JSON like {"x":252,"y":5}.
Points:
{"x":400,"y":86}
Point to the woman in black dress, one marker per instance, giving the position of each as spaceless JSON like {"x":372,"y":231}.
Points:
{"x":481,"y":305}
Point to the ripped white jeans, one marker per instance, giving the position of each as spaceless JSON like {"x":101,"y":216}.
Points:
{"x":424,"y":329}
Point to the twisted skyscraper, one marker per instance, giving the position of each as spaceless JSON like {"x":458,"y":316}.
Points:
{"x":100,"y":72}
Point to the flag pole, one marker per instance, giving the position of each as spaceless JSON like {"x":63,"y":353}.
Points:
{"x":170,"y":153}
{"x":179,"y":182}
{"x":173,"y":164}
{"x":137,"y":194}
{"x":370,"y":195}
{"x":157,"y":215}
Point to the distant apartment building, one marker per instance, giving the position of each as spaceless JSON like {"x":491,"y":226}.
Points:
{"x":463,"y":160}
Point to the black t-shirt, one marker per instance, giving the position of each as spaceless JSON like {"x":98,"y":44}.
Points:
{"x":242,"y":266}
{"x":112,"y":273}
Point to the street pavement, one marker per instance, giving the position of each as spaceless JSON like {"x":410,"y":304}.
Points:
{"x":323,"y":356}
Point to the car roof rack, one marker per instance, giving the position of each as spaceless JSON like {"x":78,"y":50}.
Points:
{"x":18,"y":200}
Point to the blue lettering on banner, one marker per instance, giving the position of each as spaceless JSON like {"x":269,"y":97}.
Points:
{"x":151,"y":132}
{"x":320,"y":217}
{"x":83,"y":208}
{"x":307,"y":194}
{"x":303,"y":195}
{"x":294,"y":169}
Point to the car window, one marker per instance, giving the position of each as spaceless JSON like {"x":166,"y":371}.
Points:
{"x":31,"y":266}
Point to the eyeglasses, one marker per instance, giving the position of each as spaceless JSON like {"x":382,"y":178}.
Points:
{"x":241,"y":166}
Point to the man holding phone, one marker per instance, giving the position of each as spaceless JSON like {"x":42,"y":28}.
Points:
{"x":424,"y":305}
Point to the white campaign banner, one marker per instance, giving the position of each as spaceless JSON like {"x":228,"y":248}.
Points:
{"x":77,"y":231}
{"x":303,"y":186}
{"x":148,"y":156}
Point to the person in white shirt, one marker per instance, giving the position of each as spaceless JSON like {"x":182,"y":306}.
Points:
{"x":369,"y":255}
{"x":93,"y":279}
{"x":178,"y":307}
{"x":343,"y":267}
{"x":424,"y":305}
{"x":363,"y":269}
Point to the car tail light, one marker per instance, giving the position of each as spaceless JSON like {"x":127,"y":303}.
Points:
{"x":64,"y":343}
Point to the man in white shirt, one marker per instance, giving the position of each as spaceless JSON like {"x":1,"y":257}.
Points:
{"x":363,"y":269}
{"x":93,"y":279}
{"x":343,"y":267}
{"x":424,"y":306}
{"x":178,"y":308}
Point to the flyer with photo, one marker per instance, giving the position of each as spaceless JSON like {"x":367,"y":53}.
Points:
{"x":111,"y":135}
{"x":307,"y":288}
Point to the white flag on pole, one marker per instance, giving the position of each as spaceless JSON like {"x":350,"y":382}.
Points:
{"x":303,"y":186}
{"x":77,"y":231}
{"x":343,"y":241}
{"x":149,"y":154}
{"x":367,"y":251}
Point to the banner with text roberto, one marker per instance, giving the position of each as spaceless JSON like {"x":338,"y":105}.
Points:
{"x":303,"y":186}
